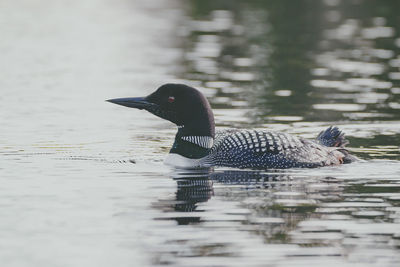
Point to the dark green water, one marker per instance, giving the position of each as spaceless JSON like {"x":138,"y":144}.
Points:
{"x":70,"y":194}
{"x":302,"y":62}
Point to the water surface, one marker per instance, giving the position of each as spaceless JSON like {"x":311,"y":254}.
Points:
{"x":82,"y":181}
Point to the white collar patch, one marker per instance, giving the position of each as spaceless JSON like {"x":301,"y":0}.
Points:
{"x":178,"y":161}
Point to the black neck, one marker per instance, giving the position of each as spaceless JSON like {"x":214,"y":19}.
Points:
{"x":188,"y":149}
{"x":198,"y":126}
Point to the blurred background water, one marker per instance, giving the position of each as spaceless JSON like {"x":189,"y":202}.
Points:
{"x":82,"y":182}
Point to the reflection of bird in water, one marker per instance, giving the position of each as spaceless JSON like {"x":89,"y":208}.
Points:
{"x":248,"y":178}
{"x":196,"y":187}
{"x":197,"y":145}
{"x":192,"y":190}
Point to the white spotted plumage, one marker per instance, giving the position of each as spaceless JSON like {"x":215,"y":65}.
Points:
{"x":262,"y":149}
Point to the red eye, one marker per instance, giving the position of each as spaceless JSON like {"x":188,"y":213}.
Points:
{"x":171,"y":99}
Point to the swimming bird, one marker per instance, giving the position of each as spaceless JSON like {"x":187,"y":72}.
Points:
{"x":198,"y":145}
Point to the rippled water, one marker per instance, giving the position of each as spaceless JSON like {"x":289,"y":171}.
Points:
{"x":82,"y":181}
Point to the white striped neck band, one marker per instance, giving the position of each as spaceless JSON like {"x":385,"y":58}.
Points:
{"x":203,"y":141}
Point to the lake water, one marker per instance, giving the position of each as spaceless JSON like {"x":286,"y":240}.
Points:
{"x":82,"y":181}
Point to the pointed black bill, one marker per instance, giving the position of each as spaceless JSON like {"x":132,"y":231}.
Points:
{"x":132,"y":102}
{"x":143,"y":103}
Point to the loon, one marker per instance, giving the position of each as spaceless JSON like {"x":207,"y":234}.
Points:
{"x":198,"y":145}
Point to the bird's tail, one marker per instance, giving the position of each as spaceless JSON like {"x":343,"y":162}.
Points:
{"x":333,"y":137}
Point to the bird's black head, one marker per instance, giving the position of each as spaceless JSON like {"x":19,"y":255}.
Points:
{"x":181,"y":104}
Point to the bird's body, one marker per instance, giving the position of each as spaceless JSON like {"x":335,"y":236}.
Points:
{"x":256,"y":150}
{"x":197,"y":145}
